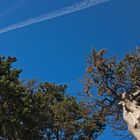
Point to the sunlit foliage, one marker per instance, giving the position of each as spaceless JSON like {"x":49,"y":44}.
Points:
{"x":105,"y":81}
{"x":33,"y":111}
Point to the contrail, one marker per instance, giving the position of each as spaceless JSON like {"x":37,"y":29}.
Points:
{"x":13,"y":7}
{"x":64,"y":11}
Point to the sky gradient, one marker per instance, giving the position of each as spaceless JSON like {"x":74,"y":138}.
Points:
{"x":56,"y":50}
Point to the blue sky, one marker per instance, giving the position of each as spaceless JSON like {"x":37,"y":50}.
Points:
{"x":55,"y":50}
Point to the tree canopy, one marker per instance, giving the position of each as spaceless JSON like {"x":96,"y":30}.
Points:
{"x":44,"y":111}
{"x":105,"y":81}
{"x":30,"y":110}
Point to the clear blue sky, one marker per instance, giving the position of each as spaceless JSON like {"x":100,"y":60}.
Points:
{"x":55,"y":50}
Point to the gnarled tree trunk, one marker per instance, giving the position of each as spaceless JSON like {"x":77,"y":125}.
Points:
{"x":131,"y":112}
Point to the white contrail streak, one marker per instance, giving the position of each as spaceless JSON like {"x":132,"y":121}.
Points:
{"x":13,"y":7}
{"x":67,"y":10}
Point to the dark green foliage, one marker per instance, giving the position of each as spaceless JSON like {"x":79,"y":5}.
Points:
{"x":33,"y":111}
{"x":105,"y":81}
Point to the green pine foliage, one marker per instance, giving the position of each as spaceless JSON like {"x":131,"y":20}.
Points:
{"x":37,"y":111}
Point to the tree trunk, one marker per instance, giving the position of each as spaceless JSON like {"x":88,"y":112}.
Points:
{"x":131,"y":112}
